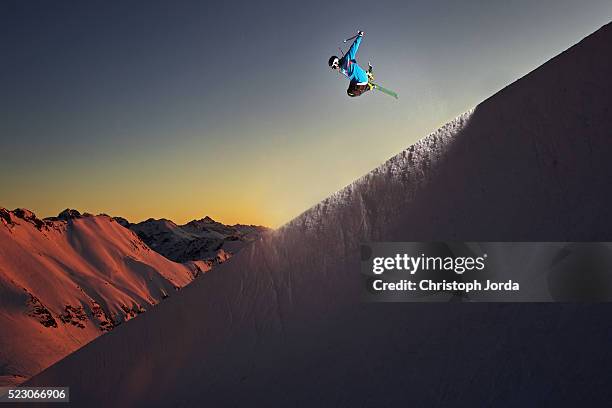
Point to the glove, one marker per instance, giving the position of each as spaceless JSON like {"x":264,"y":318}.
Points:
{"x":360,"y":33}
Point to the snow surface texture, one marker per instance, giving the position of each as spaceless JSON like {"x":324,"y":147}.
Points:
{"x":65,"y":281}
{"x":281,"y":323}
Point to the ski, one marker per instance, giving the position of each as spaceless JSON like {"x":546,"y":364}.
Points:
{"x":384,"y":90}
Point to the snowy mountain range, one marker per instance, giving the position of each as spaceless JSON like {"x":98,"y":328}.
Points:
{"x":283,"y":324}
{"x":199,"y":240}
{"x":66,"y":280}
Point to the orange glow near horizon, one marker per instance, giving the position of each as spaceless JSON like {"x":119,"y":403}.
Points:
{"x":268,"y":184}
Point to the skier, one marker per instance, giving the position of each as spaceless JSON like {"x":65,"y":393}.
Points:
{"x":347,"y":65}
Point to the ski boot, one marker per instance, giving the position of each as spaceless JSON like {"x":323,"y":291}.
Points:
{"x":370,"y":76}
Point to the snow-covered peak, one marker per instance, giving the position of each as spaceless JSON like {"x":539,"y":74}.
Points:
{"x":198,"y":240}
{"x":61,"y":287}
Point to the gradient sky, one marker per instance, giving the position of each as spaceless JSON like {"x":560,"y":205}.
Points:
{"x":182,"y":109}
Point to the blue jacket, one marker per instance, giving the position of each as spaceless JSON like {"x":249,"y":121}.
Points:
{"x":349,"y":67}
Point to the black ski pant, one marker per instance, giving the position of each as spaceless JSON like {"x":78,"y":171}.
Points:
{"x":356,"y":89}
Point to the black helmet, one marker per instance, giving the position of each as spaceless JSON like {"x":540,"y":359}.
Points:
{"x":333,"y":59}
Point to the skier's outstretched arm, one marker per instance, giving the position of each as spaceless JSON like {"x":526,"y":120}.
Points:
{"x":352,"y":52}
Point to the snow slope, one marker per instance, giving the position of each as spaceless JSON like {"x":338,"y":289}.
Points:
{"x":281,"y":323}
{"x":65,"y":282}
